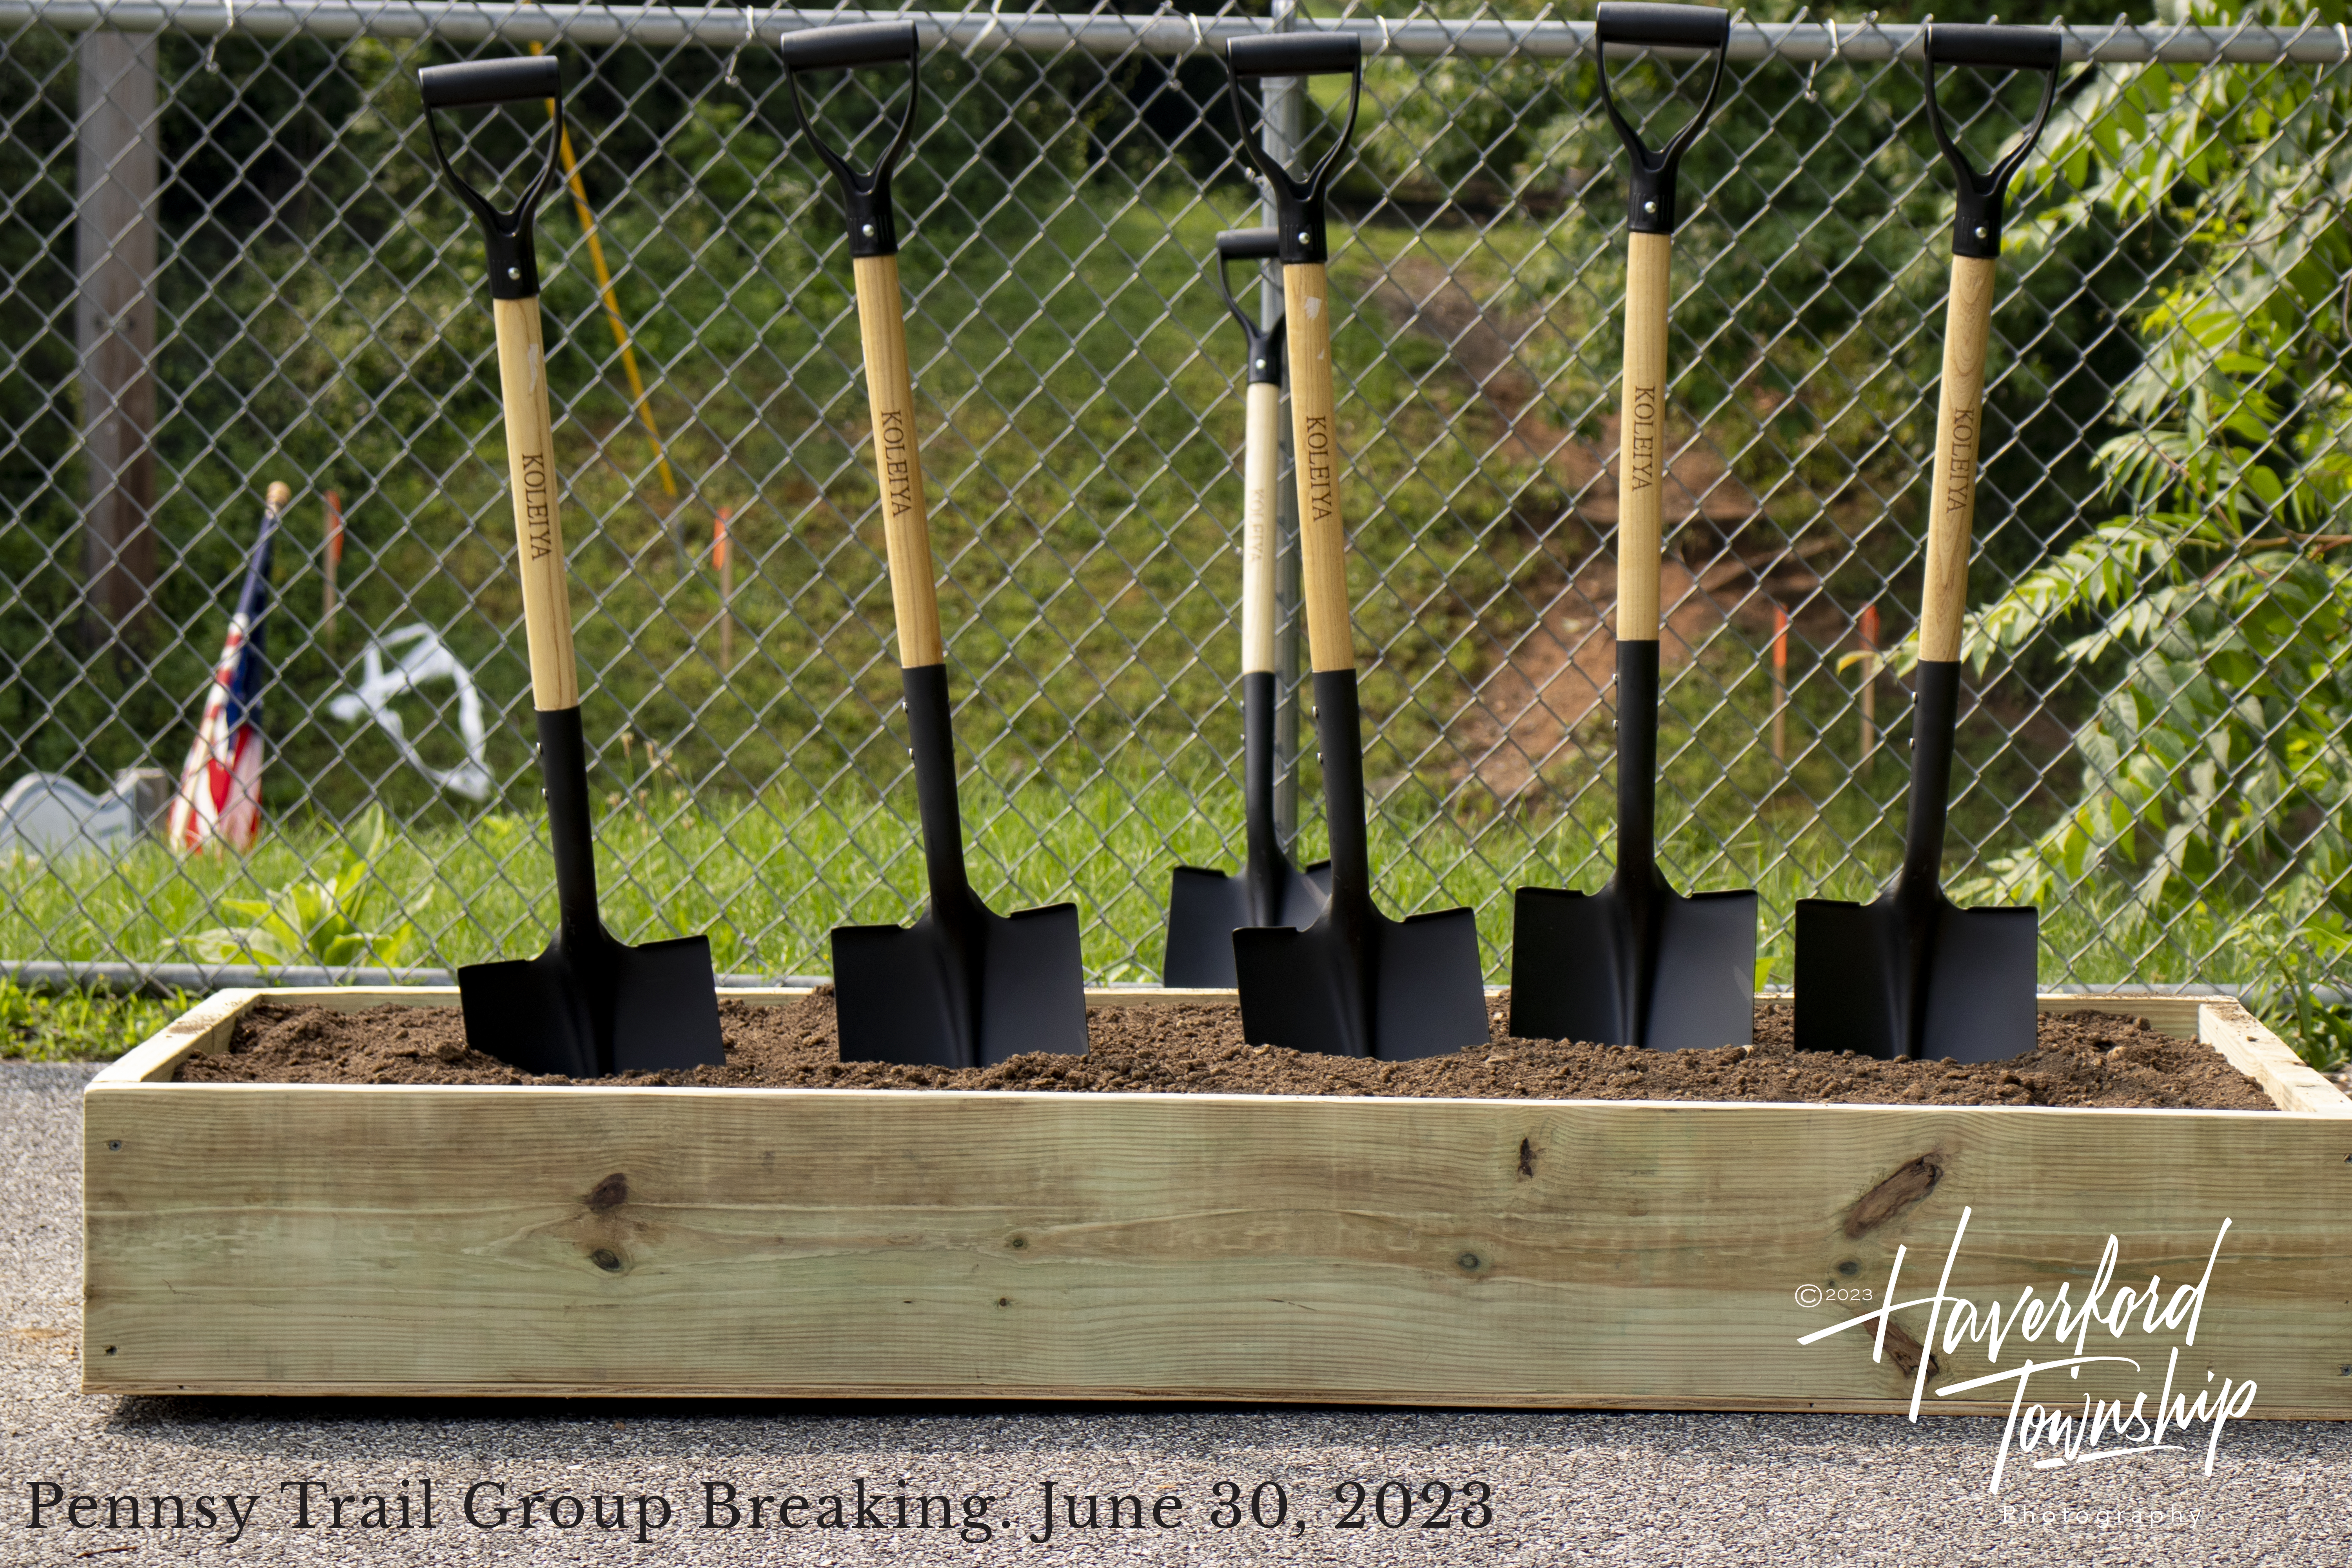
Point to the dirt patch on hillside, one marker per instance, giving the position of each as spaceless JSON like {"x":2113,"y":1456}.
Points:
{"x":2082,"y":1059}
{"x":1549,"y":688}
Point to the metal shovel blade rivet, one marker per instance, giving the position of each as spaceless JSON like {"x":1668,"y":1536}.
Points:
{"x":515,"y":273}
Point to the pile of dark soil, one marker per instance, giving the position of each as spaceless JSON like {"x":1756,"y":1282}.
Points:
{"x":2083,"y":1058}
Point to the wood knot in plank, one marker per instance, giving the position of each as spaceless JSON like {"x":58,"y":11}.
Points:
{"x":1905,"y":1352}
{"x":609,"y":1193}
{"x":1527,"y":1158}
{"x":1892,"y":1195}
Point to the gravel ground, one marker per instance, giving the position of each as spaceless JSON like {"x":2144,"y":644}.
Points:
{"x":1677,"y":1492}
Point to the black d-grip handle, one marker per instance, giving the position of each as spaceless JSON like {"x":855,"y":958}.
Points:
{"x":1265,"y":343}
{"x":864,"y":197}
{"x":2003,"y":48}
{"x":1298,"y":204}
{"x":472,"y":84}
{"x":1976,"y":220}
{"x":1248,"y":243}
{"x":1662,"y":26}
{"x":1296,"y":54}
{"x":1650,"y":193}
{"x":840,"y":48}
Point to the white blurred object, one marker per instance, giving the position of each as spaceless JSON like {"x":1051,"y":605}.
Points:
{"x":426,"y":657}
{"x":48,"y":815}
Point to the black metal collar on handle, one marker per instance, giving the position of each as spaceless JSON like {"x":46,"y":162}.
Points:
{"x":864,"y":197}
{"x":474,"y":84}
{"x":1650,"y":197}
{"x":1265,"y":343}
{"x":1298,"y":204}
{"x":1976,"y":226}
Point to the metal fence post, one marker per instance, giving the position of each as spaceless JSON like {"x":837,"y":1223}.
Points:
{"x":1283,"y":98}
{"x":114,"y":322}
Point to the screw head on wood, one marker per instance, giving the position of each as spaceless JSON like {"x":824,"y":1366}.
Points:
{"x":114,"y":1143}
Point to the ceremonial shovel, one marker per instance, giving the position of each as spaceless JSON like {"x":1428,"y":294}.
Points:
{"x":1911,"y":974}
{"x":1638,"y":964}
{"x":1206,"y":907}
{"x":1355,"y":983}
{"x":964,"y":987}
{"x":588,"y":1007}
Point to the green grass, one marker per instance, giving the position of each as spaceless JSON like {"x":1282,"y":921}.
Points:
{"x":767,"y":895}
{"x":76,"y":1026}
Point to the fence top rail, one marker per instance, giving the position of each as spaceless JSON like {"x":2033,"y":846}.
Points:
{"x":1859,"y":41}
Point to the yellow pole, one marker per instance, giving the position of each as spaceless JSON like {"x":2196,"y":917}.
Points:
{"x":613,"y":307}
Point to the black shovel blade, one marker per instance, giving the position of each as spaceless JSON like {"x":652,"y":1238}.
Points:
{"x":1577,"y":971}
{"x":1973,"y":983}
{"x":653,"y":1008}
{"x":1396,"y":990}
{"x":1206,"y":907}
{"x":992,"y":988}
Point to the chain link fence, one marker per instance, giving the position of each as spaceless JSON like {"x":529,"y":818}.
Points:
{"x":225,"y":260}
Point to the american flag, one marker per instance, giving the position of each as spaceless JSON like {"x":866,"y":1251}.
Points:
{"x":220,"y":788}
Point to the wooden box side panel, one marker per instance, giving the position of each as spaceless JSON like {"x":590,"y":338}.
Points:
{"x":2180,"y":1016}
{"x":2269,"y":1061}
{"x":302,"y":1238}
{"x":202,"y":1028}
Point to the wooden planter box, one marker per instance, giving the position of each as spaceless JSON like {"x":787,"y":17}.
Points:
{"x":264,"y":1239}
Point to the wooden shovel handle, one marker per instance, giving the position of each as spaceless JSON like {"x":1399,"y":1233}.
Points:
{"x":1641,"y":433}
{"x":1315,"y":440}
{"x":1952,"y":505}
{"x":898,"y":462}
{"x":1261,"y":472}
{"x":539,"y":527}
